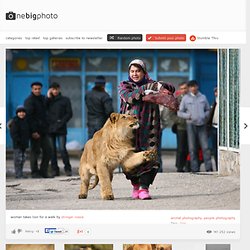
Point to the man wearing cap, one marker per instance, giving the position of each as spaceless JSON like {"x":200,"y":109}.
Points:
{"x":35,"y":105}
{"x":99,"y":106}
{"x":59,"y":113}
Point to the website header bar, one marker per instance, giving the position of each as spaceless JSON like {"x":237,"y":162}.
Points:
{"x":79,"y":38}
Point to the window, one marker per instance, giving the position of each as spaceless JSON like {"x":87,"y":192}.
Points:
{"x":22,"y":64}
{"x":101,"y":64}
{"x":229,"y":98}
{"x":234,"y":98}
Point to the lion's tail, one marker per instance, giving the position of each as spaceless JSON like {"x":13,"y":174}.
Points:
{"x":93,"y":185}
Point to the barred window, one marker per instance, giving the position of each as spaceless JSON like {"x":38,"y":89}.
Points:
{"x":229,"y":98}
{"x":223,"y":97}
{"x":234,"y":85}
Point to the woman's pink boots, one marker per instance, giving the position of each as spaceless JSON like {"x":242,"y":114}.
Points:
{"x":142,"y":194}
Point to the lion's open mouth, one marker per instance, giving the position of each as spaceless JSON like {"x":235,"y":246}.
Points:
{"x":135,"y":125}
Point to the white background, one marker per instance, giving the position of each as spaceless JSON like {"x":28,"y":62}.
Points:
{"x":126,"y":17}
{"x":129,"y":15}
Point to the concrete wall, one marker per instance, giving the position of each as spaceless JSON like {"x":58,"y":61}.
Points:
{"x":229,"y":162}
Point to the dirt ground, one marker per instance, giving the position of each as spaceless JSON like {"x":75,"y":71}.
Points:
{"x":170,"y":191}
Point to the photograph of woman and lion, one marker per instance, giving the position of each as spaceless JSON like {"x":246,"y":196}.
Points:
{"x":158,"y":126}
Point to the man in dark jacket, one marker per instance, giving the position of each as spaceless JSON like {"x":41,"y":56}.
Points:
{"x":99,"y":105}
{"x":178,"y":127}
{"x":59,"y":113}
{"x":213,"y":127}
{"x":35,"y":106}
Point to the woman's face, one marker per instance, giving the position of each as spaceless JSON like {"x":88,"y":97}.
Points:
{"x":136,"y":74}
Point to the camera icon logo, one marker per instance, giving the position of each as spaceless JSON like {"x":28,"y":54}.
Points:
{"x":10,"y":16}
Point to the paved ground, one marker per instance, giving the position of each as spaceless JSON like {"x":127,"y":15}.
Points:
{"x":171,"y":191}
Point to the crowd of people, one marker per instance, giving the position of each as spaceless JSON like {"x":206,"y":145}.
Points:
{"x":42,"y":123}
{"x":194,"y":124}
{"x":195,"y":110}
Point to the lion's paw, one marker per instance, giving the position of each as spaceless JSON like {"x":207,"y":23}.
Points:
{"x":150,"y":155}
{"x":108,"y":197}
{"x":82,"y":196}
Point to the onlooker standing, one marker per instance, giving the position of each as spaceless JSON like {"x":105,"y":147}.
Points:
{"x":195,"y":109}
{"x":181,"y":134}
{"x":59,"y":113}
{"x":20,"y":134}
{"x":179,"y":124}
{"x":99,"y":106}
{"x":213,"y":128}
{"x":35,"y":106}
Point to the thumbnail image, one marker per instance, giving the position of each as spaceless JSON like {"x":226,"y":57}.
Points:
{"x":128,"y":125}
{"x":88,"y":247}
{"x":30,"y":247}
{"x":147,"y":247}
{"x":218,"y":247}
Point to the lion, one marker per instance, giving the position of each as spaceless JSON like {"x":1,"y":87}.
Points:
{"x":150,"y":247}
{"x":163,"y":247}
{"x":30,"y":247}
{"x":110,"y":147}
{"x":142,"y":247}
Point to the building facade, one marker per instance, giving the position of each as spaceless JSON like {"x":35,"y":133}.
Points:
{"x":76,"y":70}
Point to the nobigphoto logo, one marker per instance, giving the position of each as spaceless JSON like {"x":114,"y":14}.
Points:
{"x":30,"y":15}
{"x":10,"y":16}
